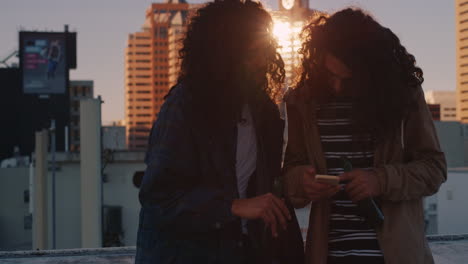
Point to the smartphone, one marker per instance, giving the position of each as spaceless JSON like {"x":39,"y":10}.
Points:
{"x":327,"y":179}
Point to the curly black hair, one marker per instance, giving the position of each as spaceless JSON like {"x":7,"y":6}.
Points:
{"x":221,"y":38}
{"x":385,"y":76}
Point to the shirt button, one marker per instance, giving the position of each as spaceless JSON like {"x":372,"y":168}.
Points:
{"x":240,"y":244}
{"x":217,"y":225}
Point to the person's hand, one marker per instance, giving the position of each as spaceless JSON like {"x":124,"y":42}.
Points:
{"x":314,"y":190}
{"x":361,"y":184}
{"x":267,"y":207}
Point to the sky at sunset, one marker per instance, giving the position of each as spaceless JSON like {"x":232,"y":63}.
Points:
{"x":425,"y":27}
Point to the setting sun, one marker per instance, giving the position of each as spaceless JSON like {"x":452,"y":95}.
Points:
{"x":288,"y":36}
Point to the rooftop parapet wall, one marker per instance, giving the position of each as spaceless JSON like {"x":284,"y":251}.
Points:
{"x":447,"y":249}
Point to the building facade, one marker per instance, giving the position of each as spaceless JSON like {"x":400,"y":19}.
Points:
{"x":461,"y":21}
{"x":79,"y":89}
{"x":113,"y":138}
{"x":435,"y":111}
{"x":446,"y":101}
{"x":151,"y":67}
{"x":288,"y":23}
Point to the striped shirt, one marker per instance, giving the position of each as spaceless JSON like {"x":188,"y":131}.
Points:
{"x":351,"y":239}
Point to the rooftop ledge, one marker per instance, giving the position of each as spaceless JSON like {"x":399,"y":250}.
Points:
{"x":447,"y":249}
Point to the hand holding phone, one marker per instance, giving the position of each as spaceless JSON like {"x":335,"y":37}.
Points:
{"x":327,"y":179}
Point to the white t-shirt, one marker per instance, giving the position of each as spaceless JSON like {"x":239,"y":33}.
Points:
{"x":246,"y":155}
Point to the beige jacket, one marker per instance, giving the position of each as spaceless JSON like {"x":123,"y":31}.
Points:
{"x":409,"y":166}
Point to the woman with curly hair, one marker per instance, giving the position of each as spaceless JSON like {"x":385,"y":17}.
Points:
{"x":358,"y":113}
{"x":215,"y":150}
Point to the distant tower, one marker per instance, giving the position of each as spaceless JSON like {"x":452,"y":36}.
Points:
{"x":286,"y":5}
{"x":151,"y":67}
{"x":289,"y":21}
{"x":461,"y":21}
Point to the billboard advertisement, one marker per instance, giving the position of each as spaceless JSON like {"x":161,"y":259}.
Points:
{"x":43,"y":62}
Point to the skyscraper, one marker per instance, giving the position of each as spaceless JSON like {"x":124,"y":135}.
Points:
{"x":288,"y":23}
{"x":461,"y":15}
{"x":151,"y":67}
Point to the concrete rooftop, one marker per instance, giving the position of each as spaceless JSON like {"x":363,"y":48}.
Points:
{"x":449,"y":249}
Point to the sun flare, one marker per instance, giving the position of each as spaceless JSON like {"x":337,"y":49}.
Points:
{"x":288,"y":37}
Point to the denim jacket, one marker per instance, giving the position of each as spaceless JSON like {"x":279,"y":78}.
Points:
{"x":190,"y":182}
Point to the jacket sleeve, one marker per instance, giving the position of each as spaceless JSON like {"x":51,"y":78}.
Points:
{"x":424,"y":167}
{"x":172,"y":189}
{"x":294,"y":160}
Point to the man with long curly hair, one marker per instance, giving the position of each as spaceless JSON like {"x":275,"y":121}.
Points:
{"x":358,"y":112}
{"x":215,"y":150}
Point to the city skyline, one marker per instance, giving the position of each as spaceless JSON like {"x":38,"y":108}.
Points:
{"x":426,"y":28}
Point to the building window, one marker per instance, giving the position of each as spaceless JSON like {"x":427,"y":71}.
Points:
{"x":143,"y":84}
{"x":163,"y":32}
{"x":143,"y":61}
{"x":143,"y":69}
{"x":143,"y":99}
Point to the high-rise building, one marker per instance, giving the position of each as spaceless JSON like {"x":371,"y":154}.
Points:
{"x":461,"y":21}
{"x":79,"y":89}
{"x":151,"y":67}
{"x":446,"y":101}
{"x":288,"y":23}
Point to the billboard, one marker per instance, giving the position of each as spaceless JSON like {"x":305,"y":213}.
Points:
{"x":43,"y":60}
